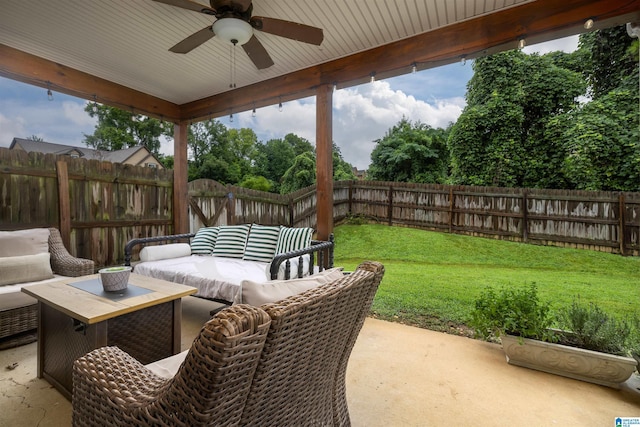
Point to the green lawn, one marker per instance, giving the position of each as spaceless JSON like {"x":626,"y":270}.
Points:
{"x":432,"y":279}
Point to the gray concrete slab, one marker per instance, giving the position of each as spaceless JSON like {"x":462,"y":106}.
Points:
{"x":397,"y":376}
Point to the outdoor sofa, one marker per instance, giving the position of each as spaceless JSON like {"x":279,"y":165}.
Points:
{"x":29,"y":257}
{"x":281,"y":364}
{"x":218,"y":259}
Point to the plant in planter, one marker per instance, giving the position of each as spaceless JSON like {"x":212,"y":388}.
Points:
{"x":523,"y":323}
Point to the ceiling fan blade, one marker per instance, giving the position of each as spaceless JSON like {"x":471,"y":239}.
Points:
{"x":189,"y":5}
{"x":291,"y":30}
{"x":193,"y":41}
{"x":257,"y":53}
{"x":237,"y":5}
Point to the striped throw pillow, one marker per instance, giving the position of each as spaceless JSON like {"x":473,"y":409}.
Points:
{"x":293,"y":239}
{"x":231,"y":241}
{"x":204,"y":241}
{"x":262,"y":242}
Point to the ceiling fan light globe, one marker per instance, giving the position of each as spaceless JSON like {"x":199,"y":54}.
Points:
{"x":233,"y":30}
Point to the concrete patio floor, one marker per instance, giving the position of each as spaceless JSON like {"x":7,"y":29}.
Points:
{"x":397,"y":376}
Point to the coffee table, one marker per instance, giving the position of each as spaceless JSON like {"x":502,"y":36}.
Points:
{"x":75,"y":316}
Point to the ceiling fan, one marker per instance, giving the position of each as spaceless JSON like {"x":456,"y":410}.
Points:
{"x":235,"y":24}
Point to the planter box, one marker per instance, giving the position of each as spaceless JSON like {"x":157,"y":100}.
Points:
{"x":586,"y":365}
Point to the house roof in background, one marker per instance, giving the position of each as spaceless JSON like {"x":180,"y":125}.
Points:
{"x":118,"y":156}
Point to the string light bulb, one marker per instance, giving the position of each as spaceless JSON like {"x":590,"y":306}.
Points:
{"x":231,"y":117}
{"x":414,"y":68}
{"x":373,"y":76}
{"x":588,"y":24}
{"x":94,"y":107}
{"x":253,"y":112}
{"x":463,"y":60}
{"x":49,"y":93}
{"x":280,"y":105}
{"x":521,"y":43}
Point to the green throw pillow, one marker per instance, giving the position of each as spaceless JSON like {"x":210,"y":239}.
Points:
{"x":262,"y":242}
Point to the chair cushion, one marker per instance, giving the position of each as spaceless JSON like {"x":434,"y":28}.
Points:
{"x":262,"y":242}
{"x":204,"y":241}
{"x":231,"y":241}
{"x":293,"y":239}
{"x":258,"y":293}
{"x":25,"y":268}
{"x":24,"y":242}
{"x":172,"y":250}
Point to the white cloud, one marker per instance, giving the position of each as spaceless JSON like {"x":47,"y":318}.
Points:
{"x":74,"y":111}
{"x":10,"y":128}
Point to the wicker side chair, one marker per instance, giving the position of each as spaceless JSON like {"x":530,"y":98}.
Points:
{"x":300,"y":380}
{"x":62,"y":262}
{"x":110,"y":388}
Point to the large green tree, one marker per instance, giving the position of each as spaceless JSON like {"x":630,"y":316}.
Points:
{"x":119,"y":129}
{"x":601,"y":136}
{"x":411,"y":152}
{"x":498,"y":139}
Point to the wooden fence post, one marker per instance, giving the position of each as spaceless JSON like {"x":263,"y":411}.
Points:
{"x":64,"y":207}
{"x":525,"y":217}
{"x":350,"y":197}
{"x":451,"y":209}
{"x":390,"y":211}
{"x":231,"y":207}
{"x":622,"y":226}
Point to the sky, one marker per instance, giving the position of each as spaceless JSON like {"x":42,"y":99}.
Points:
{"x":361,"y":114}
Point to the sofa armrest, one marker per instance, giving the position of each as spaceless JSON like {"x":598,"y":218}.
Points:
{"x":62,"y":262}
{"x":144,"y":240}
{"x":319,"y":248}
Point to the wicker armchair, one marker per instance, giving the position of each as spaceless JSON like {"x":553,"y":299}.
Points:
{"x":299,"y":379}
{"x":19,"y":312}
{"x":110,"y":388}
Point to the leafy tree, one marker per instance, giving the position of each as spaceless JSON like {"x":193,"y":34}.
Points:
{"x":256,"y":183}
{"x":342,"y":171}
{"x":118,"y":129}
{"x":276,"y":156}
{"x":35,"y":138}
{"x":499,"y":137}
{"x":301,"y":174}
{"x":411,"y":152}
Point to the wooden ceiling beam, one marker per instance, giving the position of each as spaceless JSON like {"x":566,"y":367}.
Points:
{"x":33,"y":70}
{"x":537,"y":21}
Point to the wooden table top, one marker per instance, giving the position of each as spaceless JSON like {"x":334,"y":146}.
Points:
{"x":90,"y":308}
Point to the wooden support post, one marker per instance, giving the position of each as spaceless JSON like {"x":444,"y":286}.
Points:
{"x":622,"y":226}
{"x":180,"y":173}
{"x":64,"y":204}
{"x":324,"y":160}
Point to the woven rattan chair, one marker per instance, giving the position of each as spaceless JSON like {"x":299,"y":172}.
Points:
{"x":110,"y":388}
{"x":19,"y":311}
{"x":300,"y":380}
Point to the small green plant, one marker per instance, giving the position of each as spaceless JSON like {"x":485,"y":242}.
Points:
{"x":510,"y":311}
{"x":588,"y":326}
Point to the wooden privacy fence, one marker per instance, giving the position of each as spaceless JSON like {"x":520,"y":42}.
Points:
{"x":597,"y":220}
{"x":99,"y":206}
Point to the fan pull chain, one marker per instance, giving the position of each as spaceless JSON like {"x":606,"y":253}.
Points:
{"x":232,"y":66}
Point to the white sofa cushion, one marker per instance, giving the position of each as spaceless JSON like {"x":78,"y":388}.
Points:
{"x":262,"y":242}
{"x":25,"y":268}
{"x":231,"y":241}
{"x":172,"y":250}
{"x":258,"y":293}
{"x":24,"y":242}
